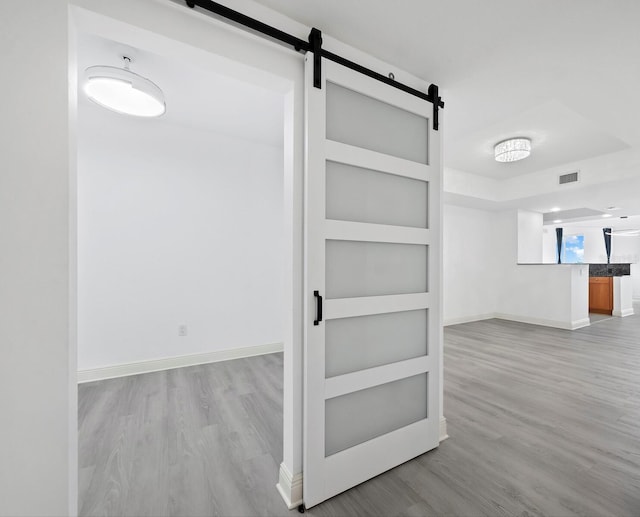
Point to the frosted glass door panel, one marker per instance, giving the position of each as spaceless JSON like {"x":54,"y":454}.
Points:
{"x":363,"y":415}
{"x":367,"y":341}
{"x":356,"y":119}
{"x":367,"y":196}
{"x":355,"y":268}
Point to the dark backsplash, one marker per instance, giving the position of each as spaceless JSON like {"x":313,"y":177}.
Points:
{"x":609,"y":269}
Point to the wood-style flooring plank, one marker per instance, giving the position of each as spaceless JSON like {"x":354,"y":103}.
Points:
{"x":542,"y":422}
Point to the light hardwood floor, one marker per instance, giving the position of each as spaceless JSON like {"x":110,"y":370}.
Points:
{"x":541,"y":422}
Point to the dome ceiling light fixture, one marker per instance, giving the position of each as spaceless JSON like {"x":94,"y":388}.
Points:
{"x":123,"y":91}
{"x":512,"y":150}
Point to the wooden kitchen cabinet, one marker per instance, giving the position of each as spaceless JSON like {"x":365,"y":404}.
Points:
{"x":601,"y":294}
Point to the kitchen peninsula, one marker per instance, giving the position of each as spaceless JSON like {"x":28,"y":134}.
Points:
{"x":560,"y":295}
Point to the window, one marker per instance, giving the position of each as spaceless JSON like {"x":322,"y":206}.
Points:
{"x":573,"y":249}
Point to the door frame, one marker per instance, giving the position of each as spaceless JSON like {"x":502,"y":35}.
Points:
{"x":192,"y":36}
{"x":247,"y":58}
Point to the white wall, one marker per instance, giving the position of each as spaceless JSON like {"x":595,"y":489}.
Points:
{"x":468,"y":284}
{"x":37,"y":404}
{"x":529,"y":237}
{"x":553,"y":295}
{"x":623,"y":249}
{"x":635,"y":281}
{"x":176,"y":227}
{"x":549,"y":245}
{"x":482,"y":278}
{"x":594,"y":250}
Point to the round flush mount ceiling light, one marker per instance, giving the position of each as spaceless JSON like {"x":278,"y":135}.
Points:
{"x":123,"y":91}
{"x":512,"y":150}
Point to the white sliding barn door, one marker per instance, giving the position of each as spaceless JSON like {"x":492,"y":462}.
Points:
{"x":372,"y":253}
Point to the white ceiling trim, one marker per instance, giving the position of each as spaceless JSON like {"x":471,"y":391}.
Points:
{"x":620,"y":167}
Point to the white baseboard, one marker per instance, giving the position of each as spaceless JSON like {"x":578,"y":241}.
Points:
{"x":578,"y":324}
{"x":290,"y":487}
{"x":468,"y":319}
{"x":521,"y":319}
{"x":443,"y":429}
{"x":623,"y":313}
{"x":573,"y":325}
{"x":155,"y":365}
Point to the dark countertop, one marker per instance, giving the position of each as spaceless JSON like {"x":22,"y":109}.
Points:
{"x":609,"y":269}
{"x":594,"y":269}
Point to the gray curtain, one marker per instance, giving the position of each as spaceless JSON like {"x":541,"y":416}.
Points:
{"x":607,"y":243}
{"x":559,"y":243}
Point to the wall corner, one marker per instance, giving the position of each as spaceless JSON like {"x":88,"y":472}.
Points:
{"x":290,"y":487}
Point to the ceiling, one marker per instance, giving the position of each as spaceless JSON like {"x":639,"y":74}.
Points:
{"x":564,"y":74}
{"x":196,"y":98}
{"x":630,"y":223}
{"x":558,"y":135}
{"x":494,"y":59}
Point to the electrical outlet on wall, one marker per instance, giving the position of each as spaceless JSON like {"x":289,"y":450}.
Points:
{"x":182,"y":330}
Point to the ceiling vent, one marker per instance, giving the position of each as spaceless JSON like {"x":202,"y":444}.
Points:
{"x":572,"y":177}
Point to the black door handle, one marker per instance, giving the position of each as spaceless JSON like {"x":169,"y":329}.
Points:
{"x":318,"y":307}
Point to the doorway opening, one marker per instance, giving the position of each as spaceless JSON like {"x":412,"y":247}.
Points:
{"x":181,"y":262}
